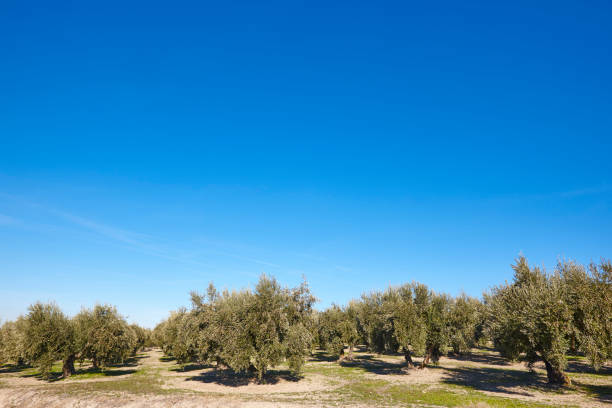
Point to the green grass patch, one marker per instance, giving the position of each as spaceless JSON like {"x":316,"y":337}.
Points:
{"x":576,"y":358}
{"x":360,"y":389}
{"x":599,"y":391}
{"x":594,"y":376}
{"x":55,"y":373}
{"x":140,"y":382}
{"x":97,"y":373}
{"x":334,"y":370}
{"x":381,"y":392}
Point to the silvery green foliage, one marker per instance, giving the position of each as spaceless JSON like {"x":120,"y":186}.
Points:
{"x":157,"y":335}
{"x":410,"y":317}
{"x":245,"y":330}
{"x":142,"y":337}
{"x":12,"y":339}
{"x":337,"y":327}
{"x":179,"y":336}
{"x":375,"y":316}
{"x":205,"y":310}
{"x":588,"y":293}
{"x":530,"y":315}
{"x":104,"y":336}
{"x":329,"y":334}
{"x":48,"y":336}
{"x":437,"y":315}
{"x":409,"y":325}
{"x":263,"y":328}
{"x":465,"y":318}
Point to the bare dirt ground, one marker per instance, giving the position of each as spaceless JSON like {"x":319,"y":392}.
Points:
{"x":482,"y":379}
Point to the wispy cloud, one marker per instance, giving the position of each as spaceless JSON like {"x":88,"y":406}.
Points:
{"x":586,"y":191}
{"x":199,"y":253}
{"x":7,"y":220}
{"x":143,"y":243}
{"x":557,"y":195}
{"x":245,"y":258}
{"x":118,"y":234}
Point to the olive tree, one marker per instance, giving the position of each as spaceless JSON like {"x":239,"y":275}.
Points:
{"x":142,"y":337}
{"x":49,"y":336}
{"x":261,"y":329}
{"x":243,"y":330}
{"x":530,"y":316}
{"x":104,"y":336}
{"x":464,"y":320}
{"x":328,"y":330}
{"x":588,"y":293}
{"x":196,"y":334}
{"x":436,"y":315}
{"x":183,"y":333}
{"x":157,"y":335}
{"x":205,"y":310}
{"x":375,"y":313}
{"x":12,"y":338}
{"x":409,"y":325}
{"x":410,"y":317}
{"x":337,"y":327}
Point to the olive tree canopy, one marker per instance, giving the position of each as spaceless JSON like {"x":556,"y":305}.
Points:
{"x":104,"y":336}
{"x":530,"y":316}
{"x":243,"y":330}
{"x":49,"y":336}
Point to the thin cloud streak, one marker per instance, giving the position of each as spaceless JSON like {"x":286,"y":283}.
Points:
{"x":586,"y":191}
{"x":7,"y":220}
{"x":150,"y":245}
{"x":569,"y":194}
{"x":143,"y":243}
{"x":118,"y":234}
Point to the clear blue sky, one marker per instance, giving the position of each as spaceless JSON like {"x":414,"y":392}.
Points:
{"x":147,"y":148}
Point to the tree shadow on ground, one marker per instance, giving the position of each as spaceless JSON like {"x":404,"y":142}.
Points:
{"x":497,"y":380}
{"x":105,"y":373}
{"x":190,"y":367}
{"x":132,"y":361}
{"x":13,"y":368}
{"x":602,"y":392}
{"x":322,"y":356}
{"x":583,"y":366}
{"x":492,"y":379}
{"x":232,"y":379}
{"x":374,"y":365}
{"x":166,"y":359}
{"x":518,"y":382}
{"x":52,"y":377}
{"x":56,"y":375}
{"x":488,"y":358}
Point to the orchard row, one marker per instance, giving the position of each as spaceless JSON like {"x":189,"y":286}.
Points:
{"x":538,"y":316}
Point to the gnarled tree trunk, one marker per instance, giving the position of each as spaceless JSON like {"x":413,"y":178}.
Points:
{"x":426,"y":359}
{"x":350,"y":352}
{"x":556,"y":375}
{"x":220,"y":364}
{"x":408,"y":358}
{"x":68,"y":366}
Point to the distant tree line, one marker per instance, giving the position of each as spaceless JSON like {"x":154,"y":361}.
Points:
{"x":45,"y":335}
{"x":538,"y":316}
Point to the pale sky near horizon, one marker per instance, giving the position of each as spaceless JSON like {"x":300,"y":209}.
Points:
{"x":149,"y":148}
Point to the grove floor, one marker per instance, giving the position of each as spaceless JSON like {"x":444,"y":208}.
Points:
{"x":481,"y":379}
